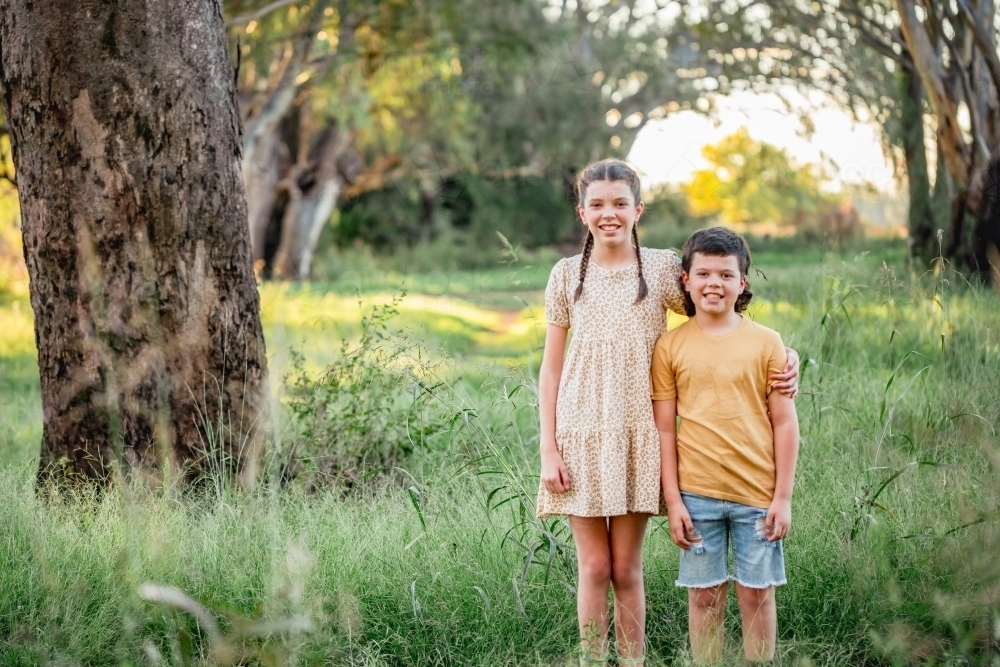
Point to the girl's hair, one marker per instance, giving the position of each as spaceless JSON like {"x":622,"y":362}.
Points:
{"x":609,"y":170}
{"x":718,"y":242}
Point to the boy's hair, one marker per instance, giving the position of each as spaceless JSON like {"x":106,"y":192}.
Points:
{"x":718,"y":242}
{"x":609,"y":170}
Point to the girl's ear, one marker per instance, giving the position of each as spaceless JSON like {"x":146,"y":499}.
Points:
{"x":638,"y":210}
{"x":580,"y":214}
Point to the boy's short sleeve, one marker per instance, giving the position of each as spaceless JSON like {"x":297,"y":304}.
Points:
{"x":556,"y":299}
{"x":663,"y":385}
{"x":776,"y":360}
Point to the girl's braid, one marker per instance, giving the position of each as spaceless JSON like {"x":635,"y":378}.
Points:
{"x":588,"y":245}
{"x":643,"y":290}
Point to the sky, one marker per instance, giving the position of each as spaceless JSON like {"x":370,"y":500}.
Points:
{"x":668,"y":150}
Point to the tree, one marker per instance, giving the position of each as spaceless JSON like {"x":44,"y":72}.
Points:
{"x":127,"y":150}
{"x":751,"y":181}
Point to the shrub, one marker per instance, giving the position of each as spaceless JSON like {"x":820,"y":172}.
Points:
{"x":367,"y":413}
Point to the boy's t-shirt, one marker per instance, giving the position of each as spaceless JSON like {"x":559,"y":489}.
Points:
{"x":725,"y":445}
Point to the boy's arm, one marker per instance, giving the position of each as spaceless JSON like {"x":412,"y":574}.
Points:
{"x":785,"y":425}
{"x":665,"y":417}
{"x":555,"y":475}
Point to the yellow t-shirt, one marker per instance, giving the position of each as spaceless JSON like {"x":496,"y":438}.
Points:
{"x":725,"y":445}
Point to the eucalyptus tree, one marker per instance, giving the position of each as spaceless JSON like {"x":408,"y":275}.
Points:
{"x":127,"y":150}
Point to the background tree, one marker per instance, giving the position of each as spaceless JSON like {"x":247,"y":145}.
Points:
{"x":127,"y":151}
{"x":749,"y":181}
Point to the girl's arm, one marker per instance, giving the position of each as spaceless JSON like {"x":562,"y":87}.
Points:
{"x":665,"y":418}
{"x":785,"y":425}
{"x":555,"y":476}
{"x":787,"y":381}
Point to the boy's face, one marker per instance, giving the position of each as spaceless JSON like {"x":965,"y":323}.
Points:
{"x":714,"y":282}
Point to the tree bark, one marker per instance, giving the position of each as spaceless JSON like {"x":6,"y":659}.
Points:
{"x":127,"y":142}
{"x":921,"y":217}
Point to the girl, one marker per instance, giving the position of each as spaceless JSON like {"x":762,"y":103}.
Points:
{"x":599,"y":446}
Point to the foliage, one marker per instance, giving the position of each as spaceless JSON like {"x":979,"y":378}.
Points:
{"x":752,"y":181}
{"x":530,"y":211}
{"x":367,"y":413}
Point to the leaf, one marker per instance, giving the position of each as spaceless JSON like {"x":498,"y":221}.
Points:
{"x":413,"y":493}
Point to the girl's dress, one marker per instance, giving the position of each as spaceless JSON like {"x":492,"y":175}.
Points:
{"x":604,"y":416}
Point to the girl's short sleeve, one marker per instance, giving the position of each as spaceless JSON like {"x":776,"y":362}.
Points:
{"x":673,"y":295}
{"x":556,"y":299}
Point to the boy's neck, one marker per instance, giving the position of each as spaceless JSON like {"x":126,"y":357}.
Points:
{"x":718,"y":324}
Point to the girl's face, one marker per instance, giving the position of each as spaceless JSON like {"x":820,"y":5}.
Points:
{"x":609,"y":211}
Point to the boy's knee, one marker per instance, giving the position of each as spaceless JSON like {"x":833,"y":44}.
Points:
{"x":595,"y":569}
{"x":754,"y":597}
{"x":706,"y":598}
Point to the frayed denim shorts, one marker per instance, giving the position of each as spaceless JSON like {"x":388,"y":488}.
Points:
{"x":757,"y":563}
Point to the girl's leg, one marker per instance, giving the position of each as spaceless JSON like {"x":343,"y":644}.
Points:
{"x":706,"y":609}
{"x":760,"y":622}
{"x":593,"y":550}
{"x":627,"y":533}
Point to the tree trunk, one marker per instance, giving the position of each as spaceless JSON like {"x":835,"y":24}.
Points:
{"x":926,"y":63}
{"x":126,"y":138}
{"x":923,"y":244}
{"x":312,"y":189}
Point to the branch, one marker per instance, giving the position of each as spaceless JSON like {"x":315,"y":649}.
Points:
{"x":975,"y":122}
{"x":984,"y":42}
{"x":251,"y":16}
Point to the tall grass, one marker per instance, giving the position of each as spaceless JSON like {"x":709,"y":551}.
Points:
{"x":892,"y":558}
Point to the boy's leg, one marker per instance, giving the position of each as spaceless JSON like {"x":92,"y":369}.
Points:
{"x":627,"y":533}
{"x":706,"y":611}
{"x":704,"y":571}
{"x":760,"y":622}
{"x":593,"y":549}
{"x":759,"y":568}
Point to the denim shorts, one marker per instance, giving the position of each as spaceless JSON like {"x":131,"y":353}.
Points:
{"x":757,"y":563}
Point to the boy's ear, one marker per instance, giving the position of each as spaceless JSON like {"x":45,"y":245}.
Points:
{"x":684,"y":281}
{"x":743,"y":283}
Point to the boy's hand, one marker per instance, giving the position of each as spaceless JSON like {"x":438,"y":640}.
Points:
{"x":779,"y":520}
{"x":555,"y":474}
{"x":681,"y":527}
{"x":787,"y":381}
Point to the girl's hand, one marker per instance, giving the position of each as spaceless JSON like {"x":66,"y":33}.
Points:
{"x":787,"y":381}
{"x":555,"y":474}
{"x":681,"y":527}
{"x":779,"y":520}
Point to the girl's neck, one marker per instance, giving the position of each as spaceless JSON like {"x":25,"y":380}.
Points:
{"x":613,"y":257}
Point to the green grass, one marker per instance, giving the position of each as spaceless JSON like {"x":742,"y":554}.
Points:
{"x":892,"y":559}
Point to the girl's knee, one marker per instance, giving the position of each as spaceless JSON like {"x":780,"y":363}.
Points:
{"x":626,"y":574}
{"x":595,"y":569}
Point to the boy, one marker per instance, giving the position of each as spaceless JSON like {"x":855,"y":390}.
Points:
{"x":727,"y":472}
